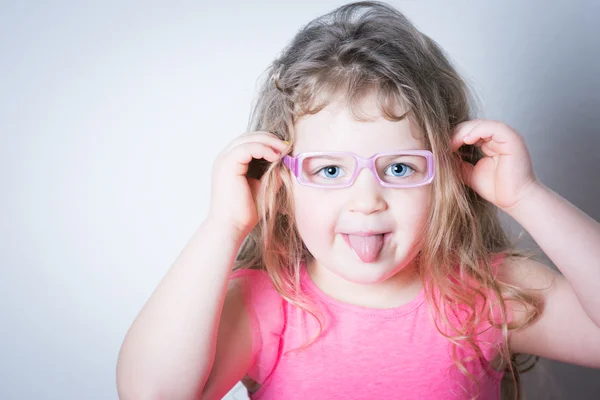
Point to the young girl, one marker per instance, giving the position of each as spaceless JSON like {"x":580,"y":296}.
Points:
{"x":369,"y":261}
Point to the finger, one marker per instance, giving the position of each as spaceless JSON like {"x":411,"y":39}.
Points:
{"x":495,"y":136}
{"x":261,"y":137}
{"x":489,"y":147}
{"x":460,"y":131}
{"x":249,"y":138}
{"x":492,"y":148}
{"x":243,"y":154}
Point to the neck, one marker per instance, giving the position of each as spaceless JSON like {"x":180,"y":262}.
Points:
{"x":395,"y":291}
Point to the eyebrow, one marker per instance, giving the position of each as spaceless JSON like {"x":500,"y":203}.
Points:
{"x":331,"y":157}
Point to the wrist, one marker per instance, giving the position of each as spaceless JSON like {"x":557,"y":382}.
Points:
{"x":530,"y":197}
{"x":224,"y":230}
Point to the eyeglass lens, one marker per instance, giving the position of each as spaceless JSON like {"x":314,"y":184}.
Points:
{"x":335,"y":169}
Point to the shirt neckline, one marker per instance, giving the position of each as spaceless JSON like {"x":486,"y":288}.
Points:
{"x":403,"y":309}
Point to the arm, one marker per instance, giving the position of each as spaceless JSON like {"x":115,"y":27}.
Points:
{"x":569,"y":327}
{"x":169,"y":350}
{"x":570,"y":238}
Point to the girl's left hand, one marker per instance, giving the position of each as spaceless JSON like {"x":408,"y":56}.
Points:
{"x":505,"y":174}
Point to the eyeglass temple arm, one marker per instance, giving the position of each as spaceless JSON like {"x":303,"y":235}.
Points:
{"x":290,"y":162}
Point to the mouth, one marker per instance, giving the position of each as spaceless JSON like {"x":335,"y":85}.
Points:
{"x":367,"y":245}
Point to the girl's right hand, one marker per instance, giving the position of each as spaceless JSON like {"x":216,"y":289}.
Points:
{"x":233,"y":193}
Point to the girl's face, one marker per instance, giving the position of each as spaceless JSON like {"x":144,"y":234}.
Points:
{"x":336,"y":224}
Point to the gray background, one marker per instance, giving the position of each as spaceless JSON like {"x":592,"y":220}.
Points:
{"x":112,"y":112}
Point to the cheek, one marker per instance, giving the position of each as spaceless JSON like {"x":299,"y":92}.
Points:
{"x":315,"y":214}
{"x":411,"y":209}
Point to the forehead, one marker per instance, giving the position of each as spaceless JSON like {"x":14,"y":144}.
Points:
{"x":336,"y":128}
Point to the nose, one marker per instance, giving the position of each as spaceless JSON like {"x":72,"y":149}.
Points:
{"x":366,"y":194}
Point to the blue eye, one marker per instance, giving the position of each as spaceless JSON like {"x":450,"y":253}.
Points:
{"x":330,"y":171}
{"x":399,"y":170}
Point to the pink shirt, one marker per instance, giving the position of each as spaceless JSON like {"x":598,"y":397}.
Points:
{"x":362,"y":353}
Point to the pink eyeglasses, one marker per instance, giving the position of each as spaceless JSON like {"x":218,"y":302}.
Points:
{"x":395,"y":169}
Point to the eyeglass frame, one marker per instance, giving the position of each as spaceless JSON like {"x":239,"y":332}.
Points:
{"x":293,"y":162}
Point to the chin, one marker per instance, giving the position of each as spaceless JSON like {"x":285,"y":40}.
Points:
{"x":354,"y":270}
{"x":340,"y":260}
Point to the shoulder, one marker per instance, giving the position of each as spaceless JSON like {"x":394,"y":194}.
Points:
{"x":264,"y":307}
{"x":257,"y":292}
{"x":255,"y":287}
{"x":246,"y":276}
{"x":238,"y":341}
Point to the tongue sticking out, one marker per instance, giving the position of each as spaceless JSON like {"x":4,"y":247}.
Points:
{"x":366,"y":247}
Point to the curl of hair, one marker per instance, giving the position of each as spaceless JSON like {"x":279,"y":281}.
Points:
{"x":368,"y":47}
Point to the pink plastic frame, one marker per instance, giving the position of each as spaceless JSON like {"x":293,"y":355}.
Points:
{"x":293,"y":164}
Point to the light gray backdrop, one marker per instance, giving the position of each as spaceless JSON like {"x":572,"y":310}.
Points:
{"x":112,"y":112}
